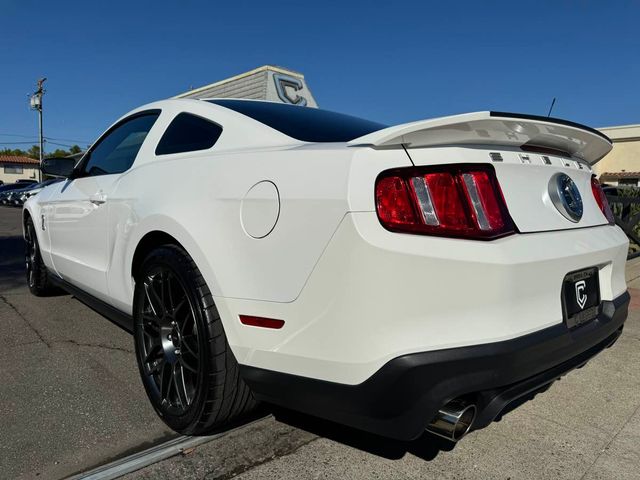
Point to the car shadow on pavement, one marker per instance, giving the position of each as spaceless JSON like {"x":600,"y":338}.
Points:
{"x":427,"y":446}
{"x":12,"y":265}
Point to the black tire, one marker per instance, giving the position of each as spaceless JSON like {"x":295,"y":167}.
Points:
{"x":37,"y":275}
{"x":184,"y":338}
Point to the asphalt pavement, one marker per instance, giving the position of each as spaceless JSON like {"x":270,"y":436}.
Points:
{"x":71,"y":399}
{"x":70,"y":395}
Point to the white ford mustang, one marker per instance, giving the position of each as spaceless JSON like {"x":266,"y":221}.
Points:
{"x":422,"y":276}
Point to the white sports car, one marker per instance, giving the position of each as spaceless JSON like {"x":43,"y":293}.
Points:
{"x":394,"y":279}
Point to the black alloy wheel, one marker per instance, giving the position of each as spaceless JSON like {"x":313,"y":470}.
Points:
{"x":37,"y":275}
{"x":170,"y":347}
{"x":186,"y":365}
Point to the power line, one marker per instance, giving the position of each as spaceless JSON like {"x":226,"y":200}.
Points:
{"x":69,"y":140}
{"x":35,"y":143}
{"x":61,"y":144}
{"x":47,"y":138}
{"x":16,"y":135}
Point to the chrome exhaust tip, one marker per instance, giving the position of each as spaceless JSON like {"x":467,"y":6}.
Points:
{"x":454,"y":420}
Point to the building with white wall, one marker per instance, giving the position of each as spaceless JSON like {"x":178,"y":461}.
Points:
{"x":621,"y":166}
{"x":14,"y":168}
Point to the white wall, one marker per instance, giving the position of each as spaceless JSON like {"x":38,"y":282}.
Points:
{"x":27,"y":172}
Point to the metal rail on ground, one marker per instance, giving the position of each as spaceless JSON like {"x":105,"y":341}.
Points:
{"x":147,"y":457}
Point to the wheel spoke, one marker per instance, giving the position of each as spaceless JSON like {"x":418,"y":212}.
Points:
{"x":169,"y":298}
{"x":157,"y":366}
{"x":155,"y":302}
{"x":165,"y":381}
{"x":181,"y":391}
{"x":180,"y":304}
{"x":153,"y":352}
{"x":150,"y":317}
{"x":151,"y":329}
{"x":187,"y":365}
{"x":185,"y":343}
{"x":189,"y":320}
{"x":162,"y":276}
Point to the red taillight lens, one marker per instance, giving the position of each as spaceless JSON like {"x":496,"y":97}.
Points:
{"x":394,"y":205}
{"x":601,"y":200}
{"x":447,"y":203}
{"x":457,"y":201}
{"x":487,"y":203}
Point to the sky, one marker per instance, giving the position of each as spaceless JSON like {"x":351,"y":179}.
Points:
{"x":393,"y":61}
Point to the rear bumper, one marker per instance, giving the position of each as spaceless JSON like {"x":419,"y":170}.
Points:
{"x":376,"y":295}
{"x":400,"y":399}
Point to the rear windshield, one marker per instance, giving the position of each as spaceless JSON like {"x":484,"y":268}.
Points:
{"x":303,"y":123}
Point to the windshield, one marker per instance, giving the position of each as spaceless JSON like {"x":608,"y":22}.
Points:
{"x":303,"y":123}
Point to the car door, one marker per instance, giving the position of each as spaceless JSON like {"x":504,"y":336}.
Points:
{"x":78,"y":216}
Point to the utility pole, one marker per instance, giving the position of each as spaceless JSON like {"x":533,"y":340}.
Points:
{"x":36,"y":104}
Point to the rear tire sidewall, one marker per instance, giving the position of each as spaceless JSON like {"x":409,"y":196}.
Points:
{"x":177,"y":261}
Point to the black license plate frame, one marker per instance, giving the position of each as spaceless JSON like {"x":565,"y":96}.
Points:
{"x":581,"y":296}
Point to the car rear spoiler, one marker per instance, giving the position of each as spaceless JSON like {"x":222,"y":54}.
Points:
{"x":529,"y":132}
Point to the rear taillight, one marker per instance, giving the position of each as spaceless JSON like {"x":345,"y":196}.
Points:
{"x":457,"y":201}
{"x":601,"y":199}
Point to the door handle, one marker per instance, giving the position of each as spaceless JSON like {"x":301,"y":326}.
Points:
{"x":98,"y":198}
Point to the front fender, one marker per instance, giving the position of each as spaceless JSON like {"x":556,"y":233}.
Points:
{"x":33,"y":209}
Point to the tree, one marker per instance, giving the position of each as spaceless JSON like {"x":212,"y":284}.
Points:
{"x":58,"y":153}
{"x":16,"y":152}
{"x":34,"y":152}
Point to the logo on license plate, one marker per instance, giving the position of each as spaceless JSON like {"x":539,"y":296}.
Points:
{"x":581,"y":297}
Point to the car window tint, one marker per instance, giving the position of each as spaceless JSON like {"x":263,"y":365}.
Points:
{"x":187,"y":133}
{"x":116,"y":151}
{"x":303,"y":123}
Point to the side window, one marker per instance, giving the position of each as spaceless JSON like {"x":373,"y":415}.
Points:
{"x":187,"y":133}
{"x":116,"y":151}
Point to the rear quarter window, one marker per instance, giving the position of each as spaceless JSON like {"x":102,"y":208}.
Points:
{"x":303,"y":123}
{"x":188,"y":133}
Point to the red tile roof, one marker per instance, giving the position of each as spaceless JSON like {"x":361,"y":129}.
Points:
{"x":18,"y":160}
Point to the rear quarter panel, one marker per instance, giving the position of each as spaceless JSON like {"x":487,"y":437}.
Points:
{"x":202,"y":211}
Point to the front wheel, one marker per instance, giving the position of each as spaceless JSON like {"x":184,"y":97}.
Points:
{"x":37,"y":275}
{"x":188,"y":370}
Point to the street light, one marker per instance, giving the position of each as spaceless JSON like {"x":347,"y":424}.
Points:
{"x":36,"y":102}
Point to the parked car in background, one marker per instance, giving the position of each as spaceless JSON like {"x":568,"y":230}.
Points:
{"x":7,"y":193}
{"x":427,"y":275}
{"x":15,"y":194}
{"x":6,"y":198}
{"x":18,"y":197}
{"x":17,"y":184}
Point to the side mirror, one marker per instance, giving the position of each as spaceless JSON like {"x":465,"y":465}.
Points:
{"x":58,"y":167}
